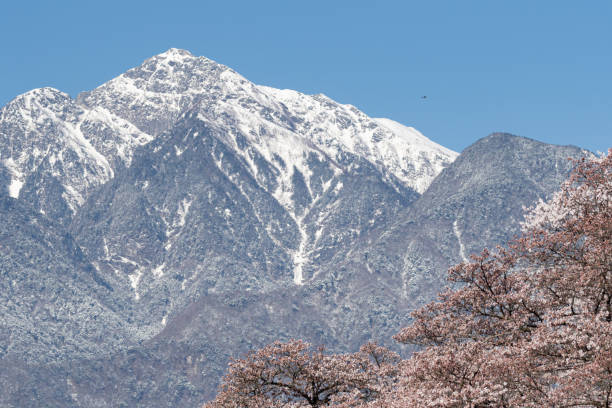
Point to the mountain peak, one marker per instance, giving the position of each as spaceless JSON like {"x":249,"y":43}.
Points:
{"x":498,"y":141}
{"x":45,"y":93}
{"x":22,"y":107}
{"x":174,"y":71}
{"x":178,"y":58}
{"x":172,"y":52}
{"x":167,"y":81}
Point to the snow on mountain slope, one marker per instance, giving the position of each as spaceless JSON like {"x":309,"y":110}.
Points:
{"x":46,"y":137}
{"x":285,"y":139}
{"x":333,"y":127}
{"x":81,"y":142}
{"x":425,"y":158}
{"x":281,"y":123}
{"x":153,"y":95}
{"x":296,"y":147}
{"x":41,"y":126}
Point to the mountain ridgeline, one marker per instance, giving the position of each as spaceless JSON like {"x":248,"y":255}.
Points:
{"x":179,"y":215}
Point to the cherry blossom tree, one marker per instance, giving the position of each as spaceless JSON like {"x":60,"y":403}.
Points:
{"x":529,"y":325}
{"x":293,"y":374}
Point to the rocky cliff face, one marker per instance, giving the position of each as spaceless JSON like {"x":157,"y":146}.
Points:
{"x":179,"y":215}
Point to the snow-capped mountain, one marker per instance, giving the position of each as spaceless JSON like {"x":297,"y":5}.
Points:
{"x":284,"y":131}
{"x":181,"y":179}
{"x":279,"y":134}
{"x":201,"y":215}
{"x":70,"y":147}
{"x":285,"y":123}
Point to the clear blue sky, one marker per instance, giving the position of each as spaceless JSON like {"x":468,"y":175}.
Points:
{"x":541,"y":69}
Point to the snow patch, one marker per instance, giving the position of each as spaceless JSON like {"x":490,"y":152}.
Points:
{"x":73,"y":198}
{"x":299,"y":255}
{"x":106,"y":251}
{"x":183,"y":210}
{"x":158,"y":271}
{"x":15,"y":187}
{"x":412,"y":154}
{"x":135,"y":281}
{"x":461,"y":246}
{"x":74,"y":395}
{"x":16,"y":179}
